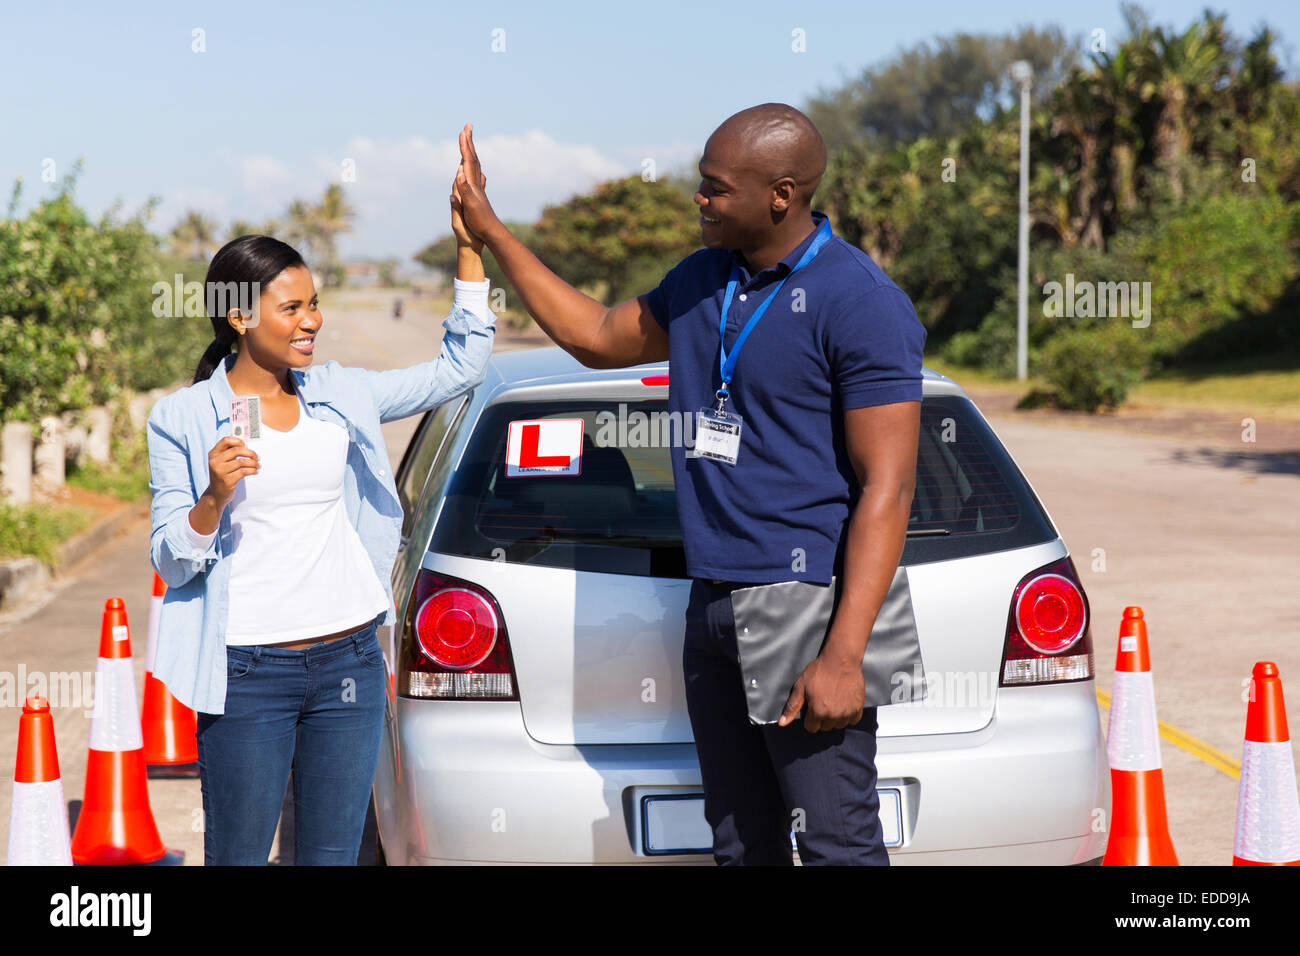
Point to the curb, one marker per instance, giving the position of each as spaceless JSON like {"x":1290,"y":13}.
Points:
{"x":20,"y":578}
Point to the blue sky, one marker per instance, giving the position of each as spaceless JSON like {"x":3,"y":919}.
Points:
{"x":286,"y":92}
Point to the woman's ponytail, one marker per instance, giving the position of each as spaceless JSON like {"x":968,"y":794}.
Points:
{"x":217,"y":351}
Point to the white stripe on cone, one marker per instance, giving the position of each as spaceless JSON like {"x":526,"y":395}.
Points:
{"x":1133,"y":737}
{"x":116,"y":718}
{"x":38,"y":826}
{"x":155,"y":612}
{"x":1268,"y":811}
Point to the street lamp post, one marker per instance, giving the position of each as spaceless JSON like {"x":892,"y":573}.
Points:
{"x":1023,"y":72}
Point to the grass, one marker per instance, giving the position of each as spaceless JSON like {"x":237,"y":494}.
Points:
{"x":38,"y":530}
{"x":977,"y":376}
{"x":129,"y":483}
{"x":1265,"y":386}
{"x":1268,"y":386}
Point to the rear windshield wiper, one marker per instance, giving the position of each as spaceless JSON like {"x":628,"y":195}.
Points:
{"x":929,"y":533}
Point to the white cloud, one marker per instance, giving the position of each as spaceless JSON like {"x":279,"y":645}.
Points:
{"x":401,"y":186}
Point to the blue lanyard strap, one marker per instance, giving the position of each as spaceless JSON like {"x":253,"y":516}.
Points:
{"x":727,"y":360}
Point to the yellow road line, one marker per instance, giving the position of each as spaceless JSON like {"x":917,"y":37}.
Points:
{"x":1183,"y":741}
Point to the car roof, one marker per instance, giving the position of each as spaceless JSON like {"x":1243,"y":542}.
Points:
{"x":554,"y":366}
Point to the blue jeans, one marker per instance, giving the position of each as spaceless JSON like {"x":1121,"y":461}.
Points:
{"x":317,"y":710}
{"x":761,"y":782}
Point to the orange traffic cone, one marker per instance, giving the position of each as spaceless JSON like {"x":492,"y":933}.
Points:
{"x":116,"y":824}
{"x":1139,"y":828}
{"x":1268,"y":811}
{"x":168,"y":725}
{"x":38,"y":820}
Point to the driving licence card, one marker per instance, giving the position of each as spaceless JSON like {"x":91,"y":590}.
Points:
{"x":246,"y":417}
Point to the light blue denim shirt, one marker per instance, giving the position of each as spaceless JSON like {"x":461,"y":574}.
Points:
{"x":190,"y":657}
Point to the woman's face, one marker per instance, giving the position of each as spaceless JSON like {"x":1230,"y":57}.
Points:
{"x":284,"y":326}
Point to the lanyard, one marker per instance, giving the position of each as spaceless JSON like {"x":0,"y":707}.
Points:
{"x":727,"y":360}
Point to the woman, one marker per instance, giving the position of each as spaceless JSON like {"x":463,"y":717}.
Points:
{"x":277,"y":550}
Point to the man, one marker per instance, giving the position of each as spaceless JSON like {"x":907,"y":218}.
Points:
{"x":803,"y":467}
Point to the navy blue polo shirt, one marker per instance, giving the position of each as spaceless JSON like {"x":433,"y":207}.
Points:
{"x":840,"y":334}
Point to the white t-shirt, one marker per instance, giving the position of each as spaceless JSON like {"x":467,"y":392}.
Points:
{"x":298,"y":568}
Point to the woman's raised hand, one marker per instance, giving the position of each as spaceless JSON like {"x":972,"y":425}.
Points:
{"x":464,"y":238}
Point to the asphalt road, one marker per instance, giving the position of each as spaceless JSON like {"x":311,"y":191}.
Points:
{"x":1203,"y":534}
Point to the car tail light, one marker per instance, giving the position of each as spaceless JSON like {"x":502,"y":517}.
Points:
{"x":1049,"y":636}
{"x":454,"y":644}
{"x":654,"y":380}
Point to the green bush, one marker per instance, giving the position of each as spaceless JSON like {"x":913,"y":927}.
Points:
{"x":38,"y":530}
{"x":76,"y":309}
{"x":991,"y":347}
{"x":1093,"y":368}
{"x":1216,"y":263}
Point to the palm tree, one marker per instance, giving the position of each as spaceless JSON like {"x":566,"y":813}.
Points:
{"x":1077,"y":114}
{"x":195,"y":233}
{"x":240,"y":227}
{"x":1117,"y":87}
{"x":301,"y":229}
{"x":1184,"y":73}
{"x":334,"y":215}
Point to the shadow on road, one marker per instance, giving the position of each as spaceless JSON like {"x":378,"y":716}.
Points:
{"x":1256,"y":462}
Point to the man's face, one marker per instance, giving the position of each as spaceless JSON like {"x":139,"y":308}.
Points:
{"x":735,"y":200}
{"x":288,"y":318}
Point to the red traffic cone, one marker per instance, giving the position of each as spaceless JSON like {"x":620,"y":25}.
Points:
{"x":1139,"y":827}
{"x":167,"y":725}
{"x":116,"y":824}
{"x":1268,"y":810}
{"x":38,"y":819}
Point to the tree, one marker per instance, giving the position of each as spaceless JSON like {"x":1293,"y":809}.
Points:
{"x":195,"y":235}
{"x":616,"y":232}
{"x":240,"y":227}
{"x":937,"y":88}
{"x":1185,"y":74}
{"x":78,"y":314}
{"x":333,"y":216}
{"x":302,"y":227}
{"x":440,"y":255}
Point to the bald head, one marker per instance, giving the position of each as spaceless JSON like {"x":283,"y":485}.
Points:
{"x":777,"y":141}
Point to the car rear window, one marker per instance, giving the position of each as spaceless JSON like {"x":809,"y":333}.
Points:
{"x":619,"y":515}
{"x":970,"y":497}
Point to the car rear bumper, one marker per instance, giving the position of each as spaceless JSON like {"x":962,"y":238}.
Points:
{"x":1031,"y":787}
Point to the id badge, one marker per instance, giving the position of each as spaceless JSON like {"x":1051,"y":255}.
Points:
{"x":717,"y":435}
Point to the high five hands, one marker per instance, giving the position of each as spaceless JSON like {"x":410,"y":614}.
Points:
{"x":465,"y":239}
{"x":471,"y":212}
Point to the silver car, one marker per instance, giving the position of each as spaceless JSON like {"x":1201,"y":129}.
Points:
{"x":538,"y":713}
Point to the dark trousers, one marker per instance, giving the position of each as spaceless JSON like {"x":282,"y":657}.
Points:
{"x":761,"y":782}
{"x":317,"y":710}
